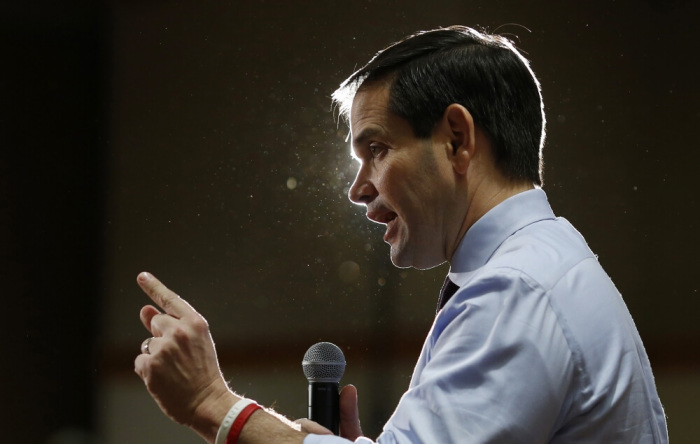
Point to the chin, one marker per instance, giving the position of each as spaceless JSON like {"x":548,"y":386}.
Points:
{"x":401,"y":258}
{"x":398,"y":264}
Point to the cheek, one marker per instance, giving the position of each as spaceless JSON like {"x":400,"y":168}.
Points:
{"x":404,"y":186}
{"x":390,"y":181}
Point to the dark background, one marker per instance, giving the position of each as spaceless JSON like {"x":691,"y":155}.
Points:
{"x":198,"y":142}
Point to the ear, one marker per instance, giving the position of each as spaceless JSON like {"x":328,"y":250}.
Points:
{"x":457,"y":131}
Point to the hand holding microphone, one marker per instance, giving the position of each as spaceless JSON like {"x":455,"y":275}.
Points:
{"x":324,"y":365}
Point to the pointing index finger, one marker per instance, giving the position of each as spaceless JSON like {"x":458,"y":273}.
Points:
{"x":166,"y":299}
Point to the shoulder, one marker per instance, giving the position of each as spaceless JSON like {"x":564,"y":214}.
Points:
{"x":545,"y":251}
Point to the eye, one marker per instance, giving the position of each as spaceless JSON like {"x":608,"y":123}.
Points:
{"x":376,"y":149}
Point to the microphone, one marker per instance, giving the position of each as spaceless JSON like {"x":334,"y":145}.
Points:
{"x":324,"y":365}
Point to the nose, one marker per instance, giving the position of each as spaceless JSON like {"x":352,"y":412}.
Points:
{"x":362,"y":191}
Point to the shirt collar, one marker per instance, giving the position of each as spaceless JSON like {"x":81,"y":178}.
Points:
{"x":488,"y":233}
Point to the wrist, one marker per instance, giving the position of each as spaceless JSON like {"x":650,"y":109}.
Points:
{"x":235,"y":419}
{"x":210,"y":415}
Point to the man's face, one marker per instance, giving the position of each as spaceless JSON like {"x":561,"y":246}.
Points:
{"x":405,"y":182}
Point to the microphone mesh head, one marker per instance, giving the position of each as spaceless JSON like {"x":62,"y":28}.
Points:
{"x":323,"y":362}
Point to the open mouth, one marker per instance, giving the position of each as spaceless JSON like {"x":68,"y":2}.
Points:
{"x":385,"y":217}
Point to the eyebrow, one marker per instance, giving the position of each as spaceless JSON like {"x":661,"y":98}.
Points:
{"x":365,"y":134}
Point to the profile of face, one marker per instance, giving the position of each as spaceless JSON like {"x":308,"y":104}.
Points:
{"x":405,"y":182}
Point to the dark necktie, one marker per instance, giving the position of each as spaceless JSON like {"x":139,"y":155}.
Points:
{"x":449,"y":288}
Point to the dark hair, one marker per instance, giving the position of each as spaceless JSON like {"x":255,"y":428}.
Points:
{"x":431,"y":70}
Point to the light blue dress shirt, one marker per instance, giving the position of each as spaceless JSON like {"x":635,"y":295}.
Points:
{"x":536,"y":346}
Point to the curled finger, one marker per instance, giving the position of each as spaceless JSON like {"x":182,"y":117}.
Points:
{"x":146,"y":346}
{"x":147,"y":313}
{"x":161,"y":323}
{"x":151,"y":346}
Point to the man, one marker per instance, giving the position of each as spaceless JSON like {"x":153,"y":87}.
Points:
{"x":531,"y":343}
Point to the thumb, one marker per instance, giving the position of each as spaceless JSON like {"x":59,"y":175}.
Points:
{"x":349,"y":414}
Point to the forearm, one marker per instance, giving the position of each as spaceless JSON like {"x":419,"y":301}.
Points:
{"x":267,"y":427}
{"x":263,"y":426}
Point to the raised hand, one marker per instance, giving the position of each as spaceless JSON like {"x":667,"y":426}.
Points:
{"x":179,"y":364}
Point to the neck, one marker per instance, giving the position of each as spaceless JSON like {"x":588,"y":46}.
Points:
{"x":485,"y":196}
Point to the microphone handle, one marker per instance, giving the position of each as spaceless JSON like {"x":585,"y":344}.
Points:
{"x":324,"y":404}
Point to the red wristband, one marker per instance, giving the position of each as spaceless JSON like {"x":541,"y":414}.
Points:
{"x":239,"y":422}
